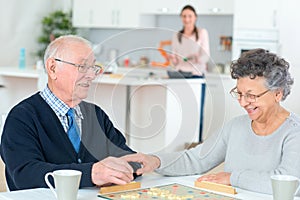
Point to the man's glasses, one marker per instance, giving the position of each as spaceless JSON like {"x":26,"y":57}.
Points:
{"x":251,"y":98}
{"x":83,"y":68}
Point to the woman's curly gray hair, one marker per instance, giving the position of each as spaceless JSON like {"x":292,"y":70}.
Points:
{"x":262,"y":63}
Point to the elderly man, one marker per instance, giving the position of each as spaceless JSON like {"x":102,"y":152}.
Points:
{"x":54,"y":129}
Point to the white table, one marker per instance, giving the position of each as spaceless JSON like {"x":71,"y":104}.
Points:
{"x":149,"y":180}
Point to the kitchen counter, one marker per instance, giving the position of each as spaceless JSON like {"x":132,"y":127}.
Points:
{"x":125,"y":76}
{"x":154,"y":113}
{"x":16,"y":72}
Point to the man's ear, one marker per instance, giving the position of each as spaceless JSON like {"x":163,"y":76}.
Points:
{"x":51,"y":67}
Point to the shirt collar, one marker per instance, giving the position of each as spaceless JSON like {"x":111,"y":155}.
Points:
{"x":57,"y":105}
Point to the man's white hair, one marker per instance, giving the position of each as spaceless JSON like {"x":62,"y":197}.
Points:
{"x":56,"y":47}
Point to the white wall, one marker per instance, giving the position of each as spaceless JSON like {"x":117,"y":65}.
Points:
{"x":20,"y":27}
{"x":290,"y":31}
{"x":290,"y":44}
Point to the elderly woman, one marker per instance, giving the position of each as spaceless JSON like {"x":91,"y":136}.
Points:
{"x":254,"y":146}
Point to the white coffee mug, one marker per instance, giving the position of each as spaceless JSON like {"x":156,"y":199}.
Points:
{"x":284,"y":187}
{"x":66,"y":183}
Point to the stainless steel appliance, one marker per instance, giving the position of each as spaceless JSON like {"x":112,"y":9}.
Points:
{"x":246,"y":39}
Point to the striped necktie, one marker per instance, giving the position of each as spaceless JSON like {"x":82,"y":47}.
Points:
{"x":73,"y":131}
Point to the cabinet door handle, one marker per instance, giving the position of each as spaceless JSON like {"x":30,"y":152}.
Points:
{"x":215,"y":10}
{"x":2,"y":86}
{"x":91,"y":15}
{"x":275,"y":18}
{"x":113,"y":17}
{"x":118,"y":17}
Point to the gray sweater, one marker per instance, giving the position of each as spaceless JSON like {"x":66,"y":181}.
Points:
{"x":251,"y":159}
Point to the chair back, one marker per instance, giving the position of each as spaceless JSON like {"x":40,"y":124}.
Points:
{"x":3,"y":184}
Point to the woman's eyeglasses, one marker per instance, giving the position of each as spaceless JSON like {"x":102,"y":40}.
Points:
{"x":251,"y":98}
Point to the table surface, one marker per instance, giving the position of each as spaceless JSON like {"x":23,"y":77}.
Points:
{"x":148,"y":180}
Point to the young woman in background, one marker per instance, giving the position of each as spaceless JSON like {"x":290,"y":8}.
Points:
{"x":190,"y":46}
{"x":190,"y":51}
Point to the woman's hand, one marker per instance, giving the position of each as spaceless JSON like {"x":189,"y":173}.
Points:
{"x":149,"y":162}
{"x":194,"y":58}
{"x":221,"y":178}
{"x":173,"y":59}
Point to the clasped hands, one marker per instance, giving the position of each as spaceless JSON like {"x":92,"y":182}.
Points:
{"x":112,"y":170}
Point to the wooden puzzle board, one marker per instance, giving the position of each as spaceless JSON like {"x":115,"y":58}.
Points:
{"x":172,"y":191}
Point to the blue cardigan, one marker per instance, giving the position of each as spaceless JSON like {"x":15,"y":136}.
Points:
{"x":34,"y":143}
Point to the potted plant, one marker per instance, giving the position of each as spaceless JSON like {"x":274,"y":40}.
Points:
{"x":54,"y":25}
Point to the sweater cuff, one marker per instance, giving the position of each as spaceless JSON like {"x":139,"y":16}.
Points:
{"x":86,"y":177}
{"x":167,"y":159}
{"x":163,"y":161}
{"x":234,"y":178}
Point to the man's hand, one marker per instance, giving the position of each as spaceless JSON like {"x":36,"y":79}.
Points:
{"x":221,"y":178}
{"x":112,"y":170}
{"x":149,"y":163}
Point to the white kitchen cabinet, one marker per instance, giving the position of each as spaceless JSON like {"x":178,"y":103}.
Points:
{"x":215,"y":7}
{"x":106,"y":14}
{"x":164,"y":116}
{"x":166,"y":6}
{"x":170,"y":7}
{"x":256,"y":14}
{"x":83,"y":14}
{"x":16,"y":88}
